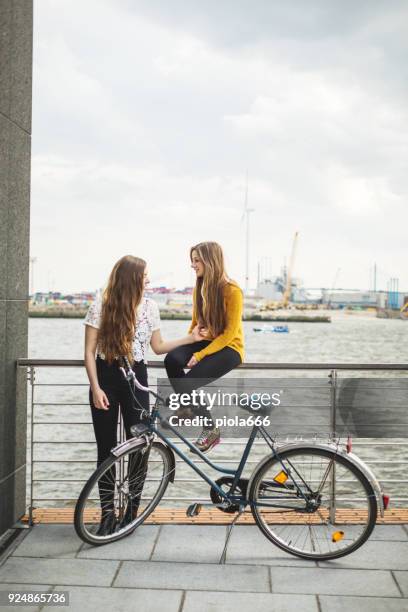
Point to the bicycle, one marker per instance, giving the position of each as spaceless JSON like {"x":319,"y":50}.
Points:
{"x":314,"y":500}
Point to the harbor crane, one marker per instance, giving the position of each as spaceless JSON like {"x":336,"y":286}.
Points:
{"x":285,"y":300}
{"x":288,"y":289}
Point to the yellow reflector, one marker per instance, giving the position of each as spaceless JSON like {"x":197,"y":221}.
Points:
{"x":337,"y":536}
{"x":281,"y":477}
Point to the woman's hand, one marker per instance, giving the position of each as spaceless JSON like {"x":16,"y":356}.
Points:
{"x":204,"y":333}
{"x":196,"y":335}
{"x":193,"y":361}
{"x":100,"y":399}
{"x":200,"y":333}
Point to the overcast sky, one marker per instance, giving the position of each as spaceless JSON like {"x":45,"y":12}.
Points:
{"x":147,"y":114}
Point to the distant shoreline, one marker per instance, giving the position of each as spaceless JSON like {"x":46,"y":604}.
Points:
{"x":59,"y":313}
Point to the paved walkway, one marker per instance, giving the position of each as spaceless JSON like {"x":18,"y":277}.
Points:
{"x":174,"y":568}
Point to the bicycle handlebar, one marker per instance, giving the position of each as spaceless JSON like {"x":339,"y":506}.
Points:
{"x":138,"y":384}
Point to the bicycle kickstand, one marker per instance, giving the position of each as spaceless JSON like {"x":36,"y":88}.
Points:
{"x":230,"y":528}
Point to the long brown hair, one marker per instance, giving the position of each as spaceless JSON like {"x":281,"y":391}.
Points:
{"x":210,"y":287}
{"x":120,"y":300}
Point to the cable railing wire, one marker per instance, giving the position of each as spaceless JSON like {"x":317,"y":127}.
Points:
{"x":38,"y":364}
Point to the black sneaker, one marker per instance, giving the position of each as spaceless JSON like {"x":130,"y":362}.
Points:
{"x":107,"y":525}
{"x":130,"y":514}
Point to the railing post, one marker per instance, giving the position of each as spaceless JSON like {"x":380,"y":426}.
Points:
{"x":31,"y":379}
{"x":333,"y":384}
{"x":119,"y":481}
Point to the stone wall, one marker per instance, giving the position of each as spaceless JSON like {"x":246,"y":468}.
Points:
{"x":16,"y":30}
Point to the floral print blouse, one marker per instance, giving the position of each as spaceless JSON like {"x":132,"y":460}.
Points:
{"x":147,"y":321}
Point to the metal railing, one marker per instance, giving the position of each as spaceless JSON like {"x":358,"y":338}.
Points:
{"x":35,"y":498}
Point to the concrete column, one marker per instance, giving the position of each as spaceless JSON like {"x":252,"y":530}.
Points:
{"x":16,"y":29}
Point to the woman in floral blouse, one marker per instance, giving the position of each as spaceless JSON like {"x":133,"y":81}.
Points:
{"x":122,"y":323}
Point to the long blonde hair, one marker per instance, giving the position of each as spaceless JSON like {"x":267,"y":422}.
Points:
{"x":210,"y":287}
{"x":120,"y":300}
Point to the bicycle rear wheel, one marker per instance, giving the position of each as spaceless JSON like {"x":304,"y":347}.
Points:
{"x":125,"y":489}
{"x":331,"y":513}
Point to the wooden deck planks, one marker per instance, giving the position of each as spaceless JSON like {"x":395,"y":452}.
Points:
{"x":209,"y":516}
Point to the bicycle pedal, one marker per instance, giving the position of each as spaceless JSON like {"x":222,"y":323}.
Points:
{"x":193,"y":510}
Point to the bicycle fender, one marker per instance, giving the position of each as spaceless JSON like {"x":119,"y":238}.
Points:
{"x":368,"y":473}
{"x":128,"y":445}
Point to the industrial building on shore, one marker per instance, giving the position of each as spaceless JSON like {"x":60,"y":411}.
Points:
{"x":272,"y":290}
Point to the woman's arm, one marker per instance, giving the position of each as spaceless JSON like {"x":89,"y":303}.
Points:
{"x":161,"y":346}
{"x":99,"y":397}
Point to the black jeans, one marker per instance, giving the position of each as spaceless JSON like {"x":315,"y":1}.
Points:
{"x":111,"y":381}
{"x":204,"y":372}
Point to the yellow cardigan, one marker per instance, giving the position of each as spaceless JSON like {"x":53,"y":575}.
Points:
{"x":232,"y":335}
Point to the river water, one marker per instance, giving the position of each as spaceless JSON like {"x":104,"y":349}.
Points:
{"x":349,"y":338}
{"x":63,"y":432}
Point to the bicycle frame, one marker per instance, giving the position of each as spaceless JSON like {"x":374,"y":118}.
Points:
{"x":236,"y":473}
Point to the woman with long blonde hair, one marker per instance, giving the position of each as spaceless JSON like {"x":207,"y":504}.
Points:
{"x":121,"y":324}
{"x":217,"y":312}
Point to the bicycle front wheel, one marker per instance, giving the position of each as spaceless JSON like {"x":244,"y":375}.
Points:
{"x":123,"y":491}
{"x":313,"y":503}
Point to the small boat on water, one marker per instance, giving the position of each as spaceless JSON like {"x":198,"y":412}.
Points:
{"x":279,"y":329}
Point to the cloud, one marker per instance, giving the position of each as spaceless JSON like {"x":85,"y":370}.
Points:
{"x":147,"y":114}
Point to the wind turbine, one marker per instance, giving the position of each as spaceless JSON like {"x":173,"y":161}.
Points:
{"x":245,"y":215}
